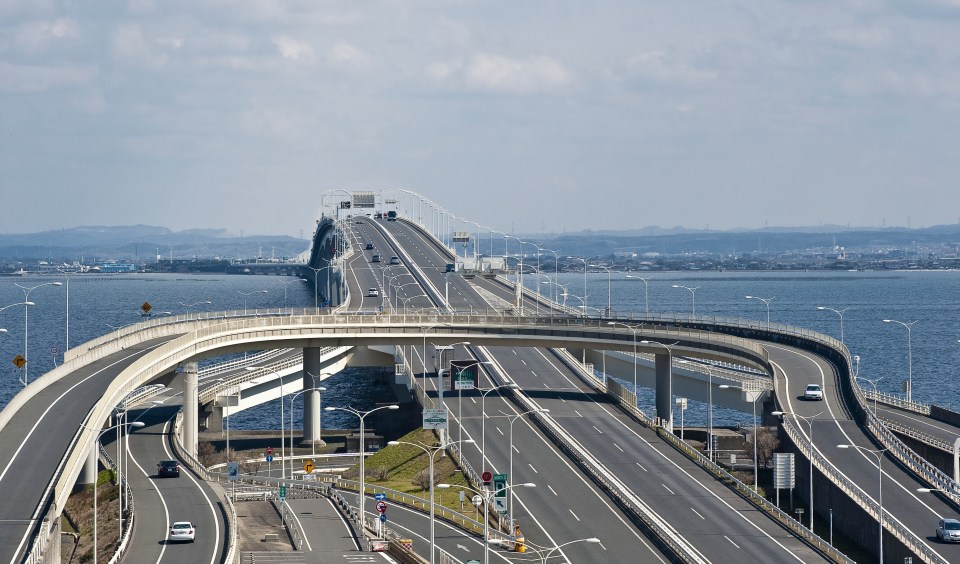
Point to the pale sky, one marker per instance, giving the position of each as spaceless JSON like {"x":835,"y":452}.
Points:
{"x":524,"y":115}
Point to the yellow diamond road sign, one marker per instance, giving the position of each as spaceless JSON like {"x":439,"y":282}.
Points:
{"x":308,"y":467}
{"x":146,"y":307}
{"x":19,"y":361}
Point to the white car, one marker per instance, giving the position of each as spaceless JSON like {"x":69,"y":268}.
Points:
{"x":182,"y":531}
{"x":373,"y":293}
{"x":813,"y":392}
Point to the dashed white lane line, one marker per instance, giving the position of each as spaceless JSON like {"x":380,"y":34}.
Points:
{"x":574,"y":514}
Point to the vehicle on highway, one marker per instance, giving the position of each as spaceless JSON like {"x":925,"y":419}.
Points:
{"x":369,"y":246}
{"x":376,"y":258}
{"x":813,"y":392}
{"x":394,"y":260}
{"x":373,"y":293}
{"x":168,"y":468}
{"x":948,"y":530}
{"x":182,"y":531}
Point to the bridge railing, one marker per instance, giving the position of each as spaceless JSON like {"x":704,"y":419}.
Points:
{"x":895,"y":401}
{"x":853,"y":490}
{"x":627,"y":400}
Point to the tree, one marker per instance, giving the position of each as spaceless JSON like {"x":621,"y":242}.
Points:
{"x":767,"y":443}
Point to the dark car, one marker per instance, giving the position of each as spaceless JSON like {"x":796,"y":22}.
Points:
{"x":369,"y":246}
{"x":394,"y":260}
{"x":376,"y":258}
{"x":168,"y":468}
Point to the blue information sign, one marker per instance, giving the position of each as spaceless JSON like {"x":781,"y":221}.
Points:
{"x":380,"y":496}
{"x":383,"y":517}
{"x":269,"y":458}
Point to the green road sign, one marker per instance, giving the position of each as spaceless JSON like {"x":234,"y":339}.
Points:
{"x":283,"y":493}
{"x":500,"y":485}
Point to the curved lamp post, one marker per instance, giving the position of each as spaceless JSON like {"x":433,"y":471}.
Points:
{"x":287,"y":283}
{"x":879,"y":455}
{"x":26,"y":304}
{"x":431,"y":452}
{"x":609,"y":309}
{"x":362,"y":415}
{"x":97,"y":479}
{"x":909,"y":327}
{"x":513,"y":419}
{"x":584,"y":261}
{"x":838,"y":312}
{"x":246,"y":294}
{"x":693,"y":297}
{"x":646,"y":295}
{"x":669,"y":372}
{"x":809,"y":421}
{"x":766,"y":302}
{"x":312,"y":443}
{"x":483,"y":420}
{"x":486,"y":496}
{"x":634,"y":331}
{"x":544,"y":554}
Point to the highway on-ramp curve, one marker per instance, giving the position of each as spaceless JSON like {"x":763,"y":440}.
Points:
{"x":36,"y":439}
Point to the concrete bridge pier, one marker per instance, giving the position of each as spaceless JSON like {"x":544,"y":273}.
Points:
{"x":88,"y":473}
{"x":664,"y":390}
{"x":312,"y":367}
{"x":191,"y":406}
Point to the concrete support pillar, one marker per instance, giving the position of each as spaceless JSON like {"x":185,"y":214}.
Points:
{"x":88,"y":473}
{"x":664,"y":390}
{"x":190,"y":408}
{"x":312,"y":367}
{"x":215,"y":419}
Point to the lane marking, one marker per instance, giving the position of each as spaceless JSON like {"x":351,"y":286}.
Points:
{"x":549,"y":487}
{"x":214,"y":558}
{"x":698,"y":514}
{"x":574,"y":514}
{"x":532,"y":468}
{"x":668,"y":489}
{"x":618,"y":447}
{"x":731,"y":541}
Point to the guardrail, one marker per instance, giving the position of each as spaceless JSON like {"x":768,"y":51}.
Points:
{"x":895,"y":401}
{"x":627,"y":401}
{"x":904,"y":535}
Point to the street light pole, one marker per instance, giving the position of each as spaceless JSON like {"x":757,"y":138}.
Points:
{"x":431,"y":452}
{"x":246,"y":294}
{"x":669,"y":372}
{"x":693,"y":297}
{"x":646,"y":295}
{"x":766,"y":302}
{"x":879,"y":455}
{"x":510,"y":476}
{"x":483,"y":421}
{"x":292,"y":398}
{"x":584,"y":261}
{"x":909,"y":327}
{"x":873,"y":383}
{"x":809,"y":421}
{"x":362,"y":415}
{"x":460,"y":369}
{"x":634,"y":331}
{"x":609,"y":308}
{"x":26,"y":304}
{"x":546,"y":557}
{"x":487,"y":495}
{"x":97,"y":479}
{"x":838,"y":312}
{"x":287,"y":283}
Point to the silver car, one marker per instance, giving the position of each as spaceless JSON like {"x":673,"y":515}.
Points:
{"x":182,"y":531}
{"x":813,"y":392}
{"x":948,"y":530}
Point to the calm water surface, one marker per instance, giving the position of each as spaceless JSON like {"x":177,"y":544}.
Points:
{"x":99,"y":303}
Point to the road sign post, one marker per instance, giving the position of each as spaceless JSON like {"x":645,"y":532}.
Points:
{"x":283,"y":492}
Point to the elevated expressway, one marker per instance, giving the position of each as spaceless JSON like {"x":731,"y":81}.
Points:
{"x":800,"y":357}
{"x":48,"y":429}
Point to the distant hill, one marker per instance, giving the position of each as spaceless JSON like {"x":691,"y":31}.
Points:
{"x":143,"y":243}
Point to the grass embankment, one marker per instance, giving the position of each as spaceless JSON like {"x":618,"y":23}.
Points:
{"x":78,"y":518}
{"x":405,"y":468}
